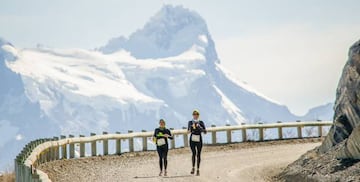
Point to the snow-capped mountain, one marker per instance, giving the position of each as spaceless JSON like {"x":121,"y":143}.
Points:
{"x":174,"y":30}
{"x":163,"y":70}
{"x":323,"y":112}
{"x":20,"y":118}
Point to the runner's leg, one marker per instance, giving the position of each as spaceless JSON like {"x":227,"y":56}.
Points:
{"x":199,"y":148}
{"x":166,"y":149}
{"x":160,"y":153}
{"x":193,"y":150}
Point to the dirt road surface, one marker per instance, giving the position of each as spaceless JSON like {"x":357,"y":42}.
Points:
{"x":235,"y":162}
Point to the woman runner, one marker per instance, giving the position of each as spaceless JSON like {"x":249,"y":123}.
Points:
{"x":196,"y":127}
{"x":161,"y":135}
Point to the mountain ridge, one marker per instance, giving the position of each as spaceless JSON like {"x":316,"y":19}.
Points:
{"x":117,"y":88}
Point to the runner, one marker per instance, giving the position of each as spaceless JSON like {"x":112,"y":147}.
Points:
{"x":196,"y":127}
{"x":161,"y":135}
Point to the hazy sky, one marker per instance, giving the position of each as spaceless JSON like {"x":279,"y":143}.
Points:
{"x":292,"y":51}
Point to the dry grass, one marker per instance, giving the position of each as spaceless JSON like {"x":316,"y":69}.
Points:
{"x":7,"y":177}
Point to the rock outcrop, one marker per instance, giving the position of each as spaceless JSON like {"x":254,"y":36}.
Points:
{"x":347,"y":109}
{"x":337,"y":159}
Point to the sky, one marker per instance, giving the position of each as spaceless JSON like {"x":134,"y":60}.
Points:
{"x":291,"y":51}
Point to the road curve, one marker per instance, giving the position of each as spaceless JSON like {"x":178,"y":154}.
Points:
{"x":235,"y":162}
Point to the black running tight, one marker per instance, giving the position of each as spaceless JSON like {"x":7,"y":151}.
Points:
{"x":196,"y":152}
{"x":163,"y":151}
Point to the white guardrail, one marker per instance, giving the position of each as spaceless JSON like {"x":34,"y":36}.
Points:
{"x":45,"y":150}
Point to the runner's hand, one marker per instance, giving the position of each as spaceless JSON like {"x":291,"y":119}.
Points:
{"x":166,"y":135}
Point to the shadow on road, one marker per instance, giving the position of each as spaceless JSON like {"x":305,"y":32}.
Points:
{"x":145,"y":177}
{"x":178,"y":176}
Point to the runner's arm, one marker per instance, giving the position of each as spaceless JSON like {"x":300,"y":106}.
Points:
{"x":202,"y":127}
{"x":154,"y":136}
{"x":170,"y":135}
{"x":189,"y":127}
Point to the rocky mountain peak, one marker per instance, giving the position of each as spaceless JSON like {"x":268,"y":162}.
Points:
{"x":170,"y":32}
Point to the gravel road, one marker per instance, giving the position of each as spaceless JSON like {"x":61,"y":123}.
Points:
{"x":235,"y":162}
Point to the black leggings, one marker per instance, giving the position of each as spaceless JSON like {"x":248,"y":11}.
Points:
{"x":196,"y":151}
{"x":163,"y":151}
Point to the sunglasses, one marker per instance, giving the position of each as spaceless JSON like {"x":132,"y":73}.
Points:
{"x":196,"y":114}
